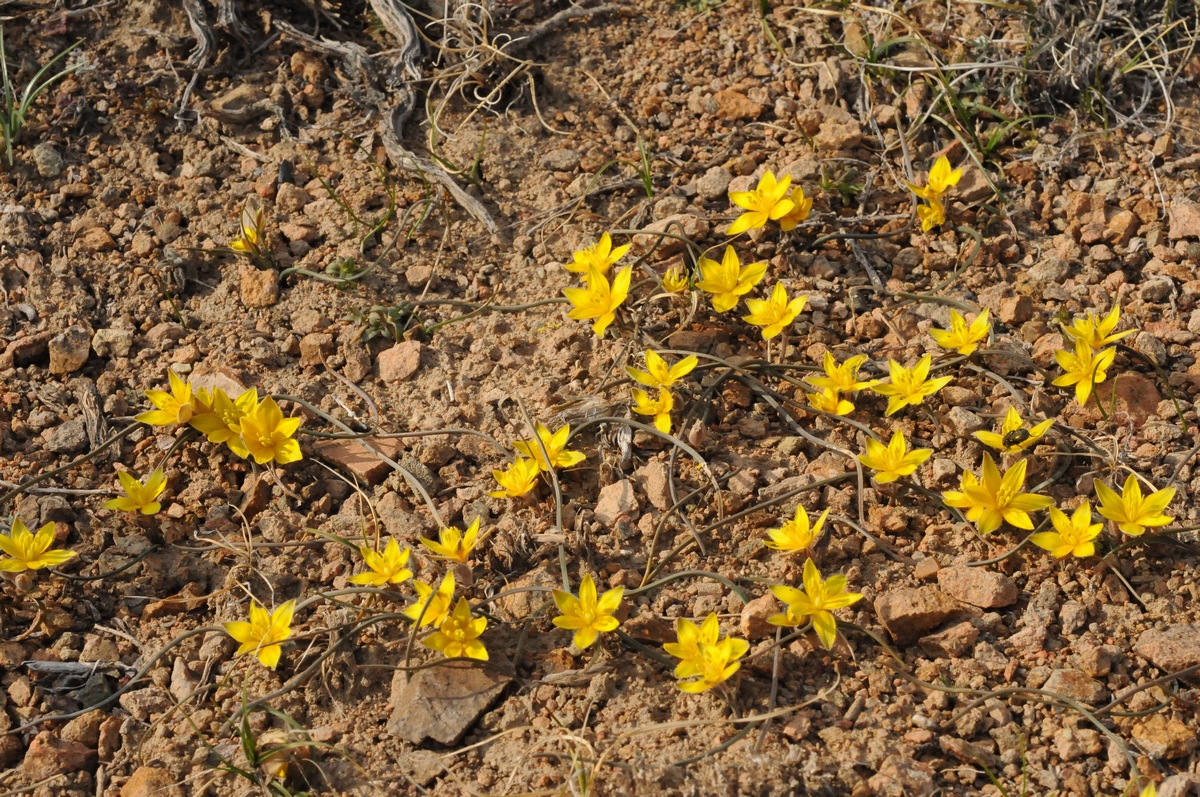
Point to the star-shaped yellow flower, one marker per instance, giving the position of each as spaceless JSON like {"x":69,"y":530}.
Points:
{"x":829,"y":401}
{"x":727,"y":280}
{"x":893,"y":460}
{"x":705,"y":659}
{"x":458,"y":634}
{"x":659,"y":407}
{"x":909,"y":387}
{"x":658,"y":373}
{"x":268,"y":436}
{"x":587,"y":615}
{"x":1013,"y":437}
{"x":555,"y":444}
{"x":941,"y":179}
{"x":517,"y":480}
{"x":767,"y":202}
{"x":1083,"y":368}
{"x":453,"y":544}
{"x":1095,"y":332}
{"x":931,"y":215}
{"x":1072,"y":536}
{"x":222,"y":420}
{"x":26,"y":551}
{"x":674,"y":280}
{"x":139,"y":497}
{"x":264,"y":633}
{"x":994,"y":499}
{"x":1132,"y":512}
{"x":775,"y":314}
{"x":431,"y":606}
{"x":962,"y":337}
{"x":389,"y":567}
{"x":817,"y":600}
{"x":600,"y":255}
{"x":796,"y":534}
{"x":842,"y":377}
{"x":251,"y":239}
{"x":599,"y":300}
{"x":801,"y":207}
{"x":172,"y":408}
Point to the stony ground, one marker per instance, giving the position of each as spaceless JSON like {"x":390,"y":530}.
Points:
{"x":1037,"y":675}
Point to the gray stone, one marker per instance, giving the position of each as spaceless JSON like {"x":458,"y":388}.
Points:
{"x":112,"y":342}
{"x":1051,"y":270}
{"x":908,"y":613}
{"x":978,"y":587}
{"x":1170,"y":649}
{"x":47,"y":160}
{"x":562,"y":160}
{"x":1184,"y":218}
{"x":69,"y":350}
{"x":616,"y":501}
{"x":714,"y":183}
{"x":964,"y":421}
{"x":67,"y":438}
{"x":442,"y":703}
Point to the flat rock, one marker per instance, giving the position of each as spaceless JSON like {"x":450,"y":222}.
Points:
{"x":653,"y":477}
{"x":1171,"y":649}
{"x":736,"y":106}
{"x":151,"y":782}
{"x":1076,"y":685}
{"x":951,"y":643}
{"x":754,"y":617}
{"x":69,"y":350}
{"x":112,"y":342}
{"x":908,"y":613}
{"x":442,"y":703}
{"x":352,"y":457}
{"x":978,"y":587}
{"x":1164,"y":737}
{"x":400,"y":362}
{"x":258,"y":287}
{"x":616,"y":501}
{"x":689,"y":225}
{"x":49,"y":755}
{"x":1184,"y":218}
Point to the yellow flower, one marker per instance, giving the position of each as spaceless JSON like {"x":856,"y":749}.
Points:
{"x":960,"y":337}
{"x":766,"y":202}
{"x":599,"y":300}
{"x":1013,"y":437}
{"x":389,"y":567}
{"x":453,"y":544}
{"x":842,"y":378}
{"x":704,"y":658}
{"x":586,"y":615}
{"x":909,"y":387}
{"x":1130,"y":510}
{"x":267,"y":435}
{"x":893,"y":460}
{"x":658,"y":373}
{"x":139,"y":497}
{"x":1084,"y":369}
{"x":517,"y":480}
{"x":817,"y":600}
{"x":172,"y":408}
{"x":796,"y":534}
{"x":221,"y":423}
{"x":1095,"y":332}
{"x":27,"y":551}
{"x":828,"y":401}
{"x":941,"y":179}
{"x":434,"y":605}
{"x":675,"y":281}
{"x":1149,"y":791}
{"x":251,"y":239}
{"x":801,"y":206}
{"x":931,"y":215}
{"x":727,"y":280}
{"x":774,"y":314}
{"x":993,"y":500}
{"x":659,"y":407}
{"x":599,"y":255}
{"x":458,"y":634}
{"x":1072,"y":535}
{"x":264,"y":632}
{"x":555,"y":444}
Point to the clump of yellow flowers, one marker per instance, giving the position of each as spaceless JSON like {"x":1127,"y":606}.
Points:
{"x":941,"y":179}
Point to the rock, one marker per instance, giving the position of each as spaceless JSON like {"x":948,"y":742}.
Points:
{"x":839,"y":130}
{"x":315,"y":347}
{"x":714,"y":183}
{"x":617,"y":501}
{"x":85,"y":730}
{"x":360,"y":462}
{"x":1015,"y":310}
{"x":112,"y":342}
{"x":47,"y":160}
{"x":151,"y":782}
{"x":258,"y":287}
{"x":1184,"y":217}
{"x":669,"y":206}
{"x":964,"y":421}
{"x":290,"y":198}
{"x":952,"y":642}
{"x":1137,"y":399}
{"x":689,"y":225}
{"x":49,"y":755}
{"x":1052,"y":270}
{"x":1076,"y":685}
{"x":110,"y":738}
{"x":1170,"y":649}
{"x":420,"y":766}
{"x":519,"y":605}
{"x":1122,"y":225}
{"x":562,"y":160}
{"x":67,"y":438}
{"x":1183,"y":784}
{"x":735,"y":106}
{"x":653,"y":478}
{"x":96,"y":239}
{"x":442,"y":703}
{"x":1164,"y":737}
{"x":926,"y":569}
{"x":165,"y":334}
{"x":1073,"y":743}
{"x":70,"y":350}
{"x":968,"y":753}
{"x":900,"y":776}
{"x":754,"y":617}
{"x":146,"y":704}
{"x":400,"y":362}
{"x":29,"y":350}
{"x":978,"y":587}
{"x":908,"y":613}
